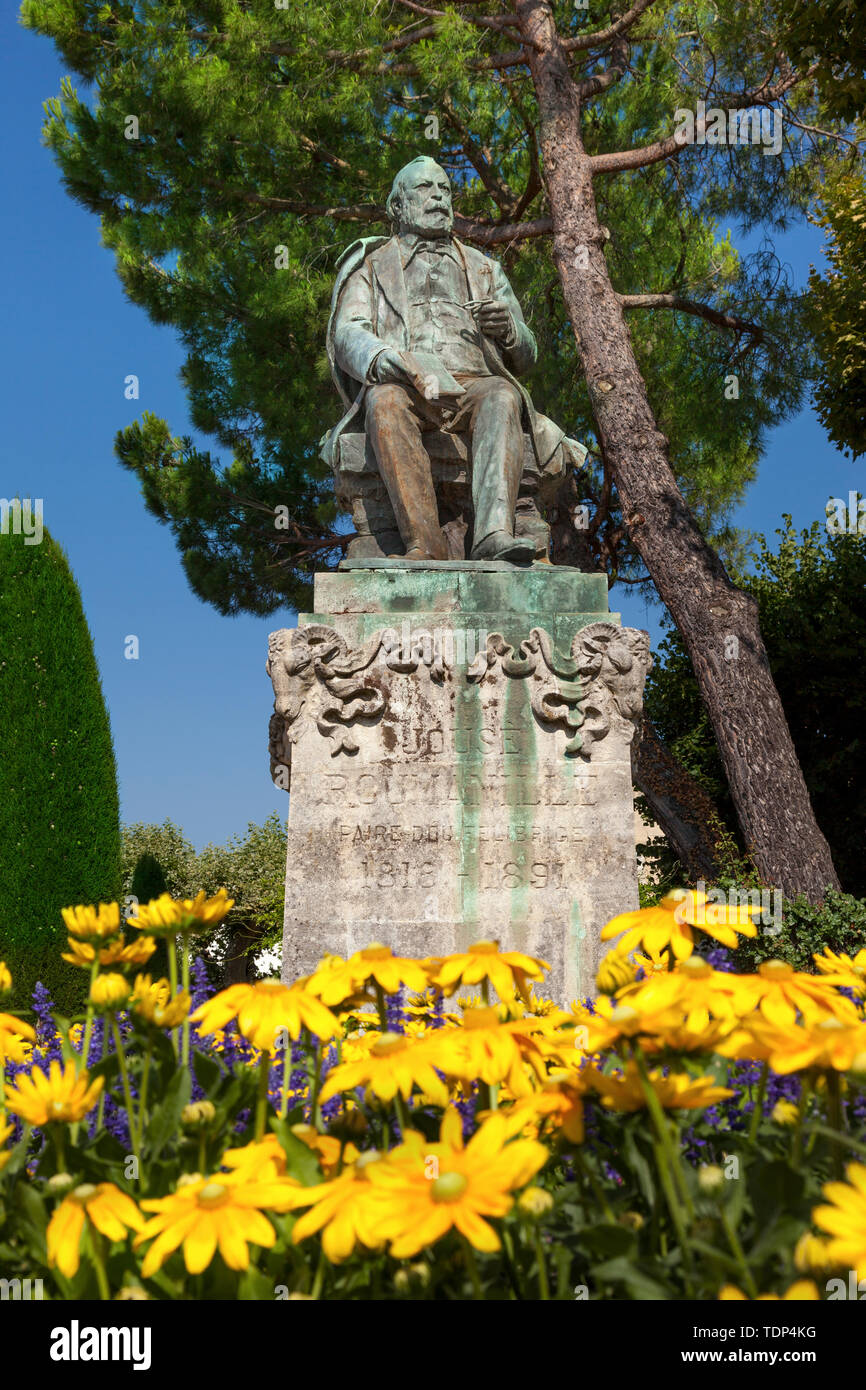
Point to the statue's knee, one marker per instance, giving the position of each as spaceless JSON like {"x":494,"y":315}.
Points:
{"x":385,"y":399}
{"x":505,"y":396}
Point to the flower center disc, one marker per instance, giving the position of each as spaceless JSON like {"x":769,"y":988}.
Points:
{"x":449,"y":1188}
{"x":480,"y":1018}
{"x":84,"y":1192}
{"x":389,"y":1042}
{"x":376,"y":952}
{"x":213,"y":1194}
{"x":776,"y":970}
{"x":485,"y":948}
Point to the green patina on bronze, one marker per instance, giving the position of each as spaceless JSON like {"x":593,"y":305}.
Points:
{"x":519,"y":768}
{"x":469,"y":766}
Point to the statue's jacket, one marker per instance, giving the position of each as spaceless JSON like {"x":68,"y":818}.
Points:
{"x":370,"y":310}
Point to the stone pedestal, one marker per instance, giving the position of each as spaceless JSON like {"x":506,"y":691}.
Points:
{"x":456,"y":741}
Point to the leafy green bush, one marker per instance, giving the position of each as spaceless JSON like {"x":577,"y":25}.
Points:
{"x":59,"y":823}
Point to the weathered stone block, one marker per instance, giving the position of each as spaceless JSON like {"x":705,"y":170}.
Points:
{"x":457,"y":743}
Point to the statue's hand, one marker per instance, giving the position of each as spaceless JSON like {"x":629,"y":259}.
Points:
{"x":390,"y":366}
{"x":494,"y":319}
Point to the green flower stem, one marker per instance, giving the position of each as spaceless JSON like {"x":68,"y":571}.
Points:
{"x":835,"y":1115}
{"x":60,"y":1146}
{"x":284,"y":1090}
{"x":127,"y":1094}
{"x":316,"y":1291}
{"x":510,"y":1264}
{"x":472,"y":1266}
{"x":758,"y":1111}
{"x":382,"y":1007}
{"x":88,"y":1029}
{"x":142,"y":1100}
{"x":185,"y":985}
{"x":597,"y":1189}
{"x":202,"y":1152}
{"x":660,"y":1122}
{"x":485,"y":991}
{"x":99,"y":1265}
{"x":316,"y":1086}
{"x":101,"y":1111}
{"x":669,"y":1190}
{"x":171,"y":952}
{"x":400,"y":1112}
{"x":88,"y":1022}
{"x":262,"y":1098}
{"x":797,"y":1139}
{"x":543,"y":1283}
{"x":843,"y":1139}
{"x":737,"y":1252}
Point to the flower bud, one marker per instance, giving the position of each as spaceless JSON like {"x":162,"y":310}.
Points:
{"x":109,"y":992}
{"x":198,"y":1112}
{"x":535,"y":1202}
{"x":710,"y":1177}
{"x":632,"y":1220}
{"x":614,"y":972}
{"x":784,"y":1112}
{"x":59,"y":1184}
{"x":5,"y":978}
{"x":132,"y":1293}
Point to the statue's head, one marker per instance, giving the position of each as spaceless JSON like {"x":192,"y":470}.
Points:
{"x":420,"y":199}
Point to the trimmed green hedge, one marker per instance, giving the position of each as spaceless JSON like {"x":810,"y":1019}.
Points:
{"x":59,"y":813}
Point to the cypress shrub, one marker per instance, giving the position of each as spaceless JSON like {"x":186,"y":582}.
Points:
{"x":59,"y":814}
{"x":148,"y":881}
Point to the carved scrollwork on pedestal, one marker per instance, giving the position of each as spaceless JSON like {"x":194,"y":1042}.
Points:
{"x":601,"y":679}
{"x":320,"y":682}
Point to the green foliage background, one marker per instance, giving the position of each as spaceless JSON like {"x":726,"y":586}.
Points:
{"x":811,"y":595}
{"x":59,"y":816}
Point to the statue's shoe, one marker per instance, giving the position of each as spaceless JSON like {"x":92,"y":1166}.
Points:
{"x":500,"y":546}
{"x":418,"y":552}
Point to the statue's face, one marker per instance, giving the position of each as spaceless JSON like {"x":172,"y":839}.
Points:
{"x":425,"y":201}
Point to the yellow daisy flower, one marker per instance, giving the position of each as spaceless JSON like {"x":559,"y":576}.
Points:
{"x":394,"y":1063}
{"x":507,"y":971}
{"x":90,"y":923}
{"x":5,"y":978}
{"x":614,"y":972}
{"x":58,"y":1097}
{"x":109,"y":992}
{"x":108,"y":1209}
{"x":829,"y":1043}
{"x":336,"y":980}
{"x":166,"y":916}
{"x":672,"y":923}
{"x":434,"y":1188}
{"x":844,"y":1220}
{"x":264,"y":1010}
{"x":5,"y":1154}
{"x":261,"y":1160}
{"x":152,"y":1001}
{"x":623,"y":1090}
{"x":119,"y":952}
{"x":694,"y":990}
{"x":347,"y":1210}
{"x":780,"y":992}
{"x":490,"y":1050}
{"x":802,"y":1290}
{"x":842,"y":969}
{"x":16,"y":1039}
{"x":560,"y":1102}
{"x":225,"y":1211}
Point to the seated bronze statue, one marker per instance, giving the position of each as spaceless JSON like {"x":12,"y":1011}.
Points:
{"x":440,"y":449}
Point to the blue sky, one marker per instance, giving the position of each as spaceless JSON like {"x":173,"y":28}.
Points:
{"x":190,"y":716}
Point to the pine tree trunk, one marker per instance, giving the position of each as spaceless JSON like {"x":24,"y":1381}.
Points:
{"x":681,"y":807}
{"x":718,"y":622}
